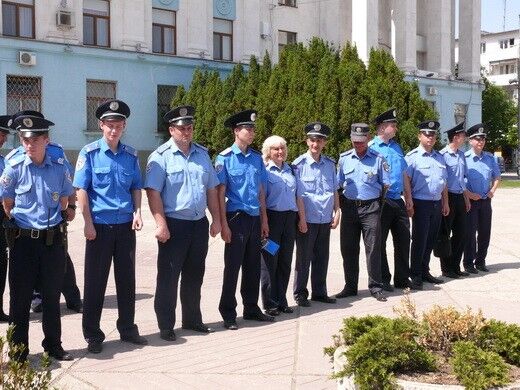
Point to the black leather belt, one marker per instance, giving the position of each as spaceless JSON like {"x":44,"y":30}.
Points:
{"x":360,"y":203}
{"x":35,"y":233}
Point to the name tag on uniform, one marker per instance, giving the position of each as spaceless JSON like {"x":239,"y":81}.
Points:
{"x":270,"y":246}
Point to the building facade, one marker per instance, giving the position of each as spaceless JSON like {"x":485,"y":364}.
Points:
{"x":64,"y":57}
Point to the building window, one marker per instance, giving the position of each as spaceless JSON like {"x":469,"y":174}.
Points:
{"x":460,"y":109}
{"x":511,"y":41}
{"x":483,"y":47}
{"x":288,"y":3}
{"x":504,"y":43}
{"x":222,"y":39}
{"x":96,"y":23}
{"x":98,"y":92}
{"x":18,"y":18}
{"x":165,"y":94}
{"x":163,"y":31}
{"x":285,"y":38}
{"x":23,"y":93}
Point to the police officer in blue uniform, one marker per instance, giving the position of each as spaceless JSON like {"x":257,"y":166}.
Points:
{"x":4,"y":132}
{"x":35,"y":190}
{"x":394,"y":214}
{"x":454,"y":224}
{"x":317,"y":186}
{"x":428,"y":178}
{"x":243,"y":179}
{"x":108,"y":182}
{"x":363,"y":175}
{"x":181,"y":183}
{"x":482,"y":182}
{"x":70,"y":288}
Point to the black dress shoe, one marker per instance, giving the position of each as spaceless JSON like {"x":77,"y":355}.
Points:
{"x":403,"y":285}
{"x":286,"y":310}
{"x":462,"y":273}
{"x":416,"y":284}
{"x":482,"y":268}
{"x":388,"y":287}
{"x":259,"y":317}
{"x":432,"y":279}
{"x":303,"y":302}
{"x":59,"y":354}
{"x":231,"y":325}
{"x":77,"y":307}
{"x":95,"y":346}
{"x":379,"y":295}
{"x":450,"y":274}
{"x":135,"y":339}
{"x":471,"y":270}
{"x":198,"y":328}
{"x":4,"y":317}
{"x":167,"y":334}
{"x":346,"y":293}
{"x":273,"y":312}
{"x":323,"y":299}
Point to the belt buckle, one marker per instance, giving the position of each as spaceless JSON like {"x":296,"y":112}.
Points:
{"x":35,"y":235}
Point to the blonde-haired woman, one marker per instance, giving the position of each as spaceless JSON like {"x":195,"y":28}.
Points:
{"x":281,"y":213}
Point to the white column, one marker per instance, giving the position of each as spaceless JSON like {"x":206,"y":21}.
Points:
{"x":246,"y":30}
{"x":133,"y":21}
{"x":469,"y":40}
{"x":365,"y":26}
{"x":197,"y":21}
{"x":438,"y":38}
{"x":404,"y":34}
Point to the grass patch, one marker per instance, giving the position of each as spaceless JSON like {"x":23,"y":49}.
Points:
{"x":509,"y":183}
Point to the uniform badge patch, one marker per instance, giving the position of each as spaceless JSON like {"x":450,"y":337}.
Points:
{"x":27,"y":122}
{"x":386,"y":167}
{"x":55,"y":196}
{"x":60,"y":160}
{"x":5,"y":181}
{"x":148,"y":168}
{"x":68,"y":177}
{"x":80,"y":163}
{"x":114,"y":106}
{"x":219,"y":167}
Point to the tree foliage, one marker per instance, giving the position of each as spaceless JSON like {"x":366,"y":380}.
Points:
{"x":314,"y":82}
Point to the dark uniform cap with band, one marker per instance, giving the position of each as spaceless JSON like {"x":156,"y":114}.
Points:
{"x":182,"y":115}
{"x":359,"y":132}
{"x":247,"y":117}
{"x":31,"y":125}
{"x":429,"y":126}
{"x":317,"y":129}
{"x":387,"y":116}
{"x":113,"y":110}
{"x":478,"y":130}
{"x":5,"y":122}
{"x":455,"y":130}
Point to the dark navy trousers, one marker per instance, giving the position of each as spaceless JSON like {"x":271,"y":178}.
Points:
{"x":275,"y":270}
{"x":455,"y":224}
{"x":3,"y":261}
{"x":183,"y":254}
{"x":478,"y":232}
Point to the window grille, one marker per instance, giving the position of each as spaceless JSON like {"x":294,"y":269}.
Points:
{"x":98,"y":92}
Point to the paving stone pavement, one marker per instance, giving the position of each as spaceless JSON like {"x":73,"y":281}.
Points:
{"x":287,"y":354}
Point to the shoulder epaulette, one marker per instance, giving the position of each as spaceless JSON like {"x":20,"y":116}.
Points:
{"x":92,"y":146}
{"x":130,"y":150}
{"x":255,"y":151}
{"x":55,"y":144}
{"x":329,"y":158}
{"x":298,"y":160}
{"x":15,"y":160}
{"x":489,"y":154}
{"x":200,"y":146}
{"x":13,"y":153}
{"x":163,"y":148}
{"x":411,"y":152}
{"x":226,"y":151}
{"x":468,"y":153}
{"x":345,"y":153}
{"x":55,"y":150}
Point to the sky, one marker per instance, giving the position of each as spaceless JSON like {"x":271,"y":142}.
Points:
{"x":493,"y":15}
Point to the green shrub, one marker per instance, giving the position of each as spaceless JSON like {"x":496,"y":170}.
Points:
{"x":502,"y":338}
{"x":478,"y":369}
{"x":387,"y":348}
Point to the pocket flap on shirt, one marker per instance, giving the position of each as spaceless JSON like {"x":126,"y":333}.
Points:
{"x":101,"y":169}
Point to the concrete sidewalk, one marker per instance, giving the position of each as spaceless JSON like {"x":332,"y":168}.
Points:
{"x":285,"y":355}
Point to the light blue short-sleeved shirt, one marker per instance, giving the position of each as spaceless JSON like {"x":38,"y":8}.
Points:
{"x":109,"y":179}
{"x":182,"y":180}
{"x":457,"y":170}
{"x":36,"y":190}
{"x":482,"y":171}
{"x":427,"y":173}
{"x":362,"y":178}
{"x":394,"y":157}
{"x":281,"y":188}
{"x":317,"y":184}
{"x":242,"y":174}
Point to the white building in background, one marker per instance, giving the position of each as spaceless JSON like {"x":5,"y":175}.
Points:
{"x":64,"y":57}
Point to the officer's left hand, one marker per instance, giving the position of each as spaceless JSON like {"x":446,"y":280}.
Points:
{"x":70,"y":214}
{"x":490,"y":194}
{"x":335,"y":221}
{"x":468,"y":206}
{"x":265,"y":230}
{"x":215,"y":228}
{"x":445,"y":209}
{"x":137,"y":223}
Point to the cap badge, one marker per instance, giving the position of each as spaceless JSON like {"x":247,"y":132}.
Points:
{"x":253,"y":117}
{"x":431,"y":124}
{"x":114,"y":106}
{"x":480,"y":129}
{"x":317,"y":127}
{"x":10,"y":122}
{"x":183,"y":111}
{"x":27,"y":122}
{"x":358,"y":129}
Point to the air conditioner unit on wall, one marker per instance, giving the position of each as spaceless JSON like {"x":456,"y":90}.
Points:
{"x":65,"y":18}
{"x":26,"y":58}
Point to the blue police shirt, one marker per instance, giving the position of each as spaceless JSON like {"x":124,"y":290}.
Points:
{"x":109,"y":180}
{"x":456,"y":166}
{"x":317,"y":184}
{"x":36,"y":190}
{"x":427,"y":173}
{"x":242,"y":174}
{"x":482,"y":171}
{"x":281,"y":188}
{"x":2,"y":164}
{"x":181,"y":180}
{"x":394,"y":157}
{"x":362,"y":178}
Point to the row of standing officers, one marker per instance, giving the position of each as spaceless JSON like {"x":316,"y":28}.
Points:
{"x":255,"y":199}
